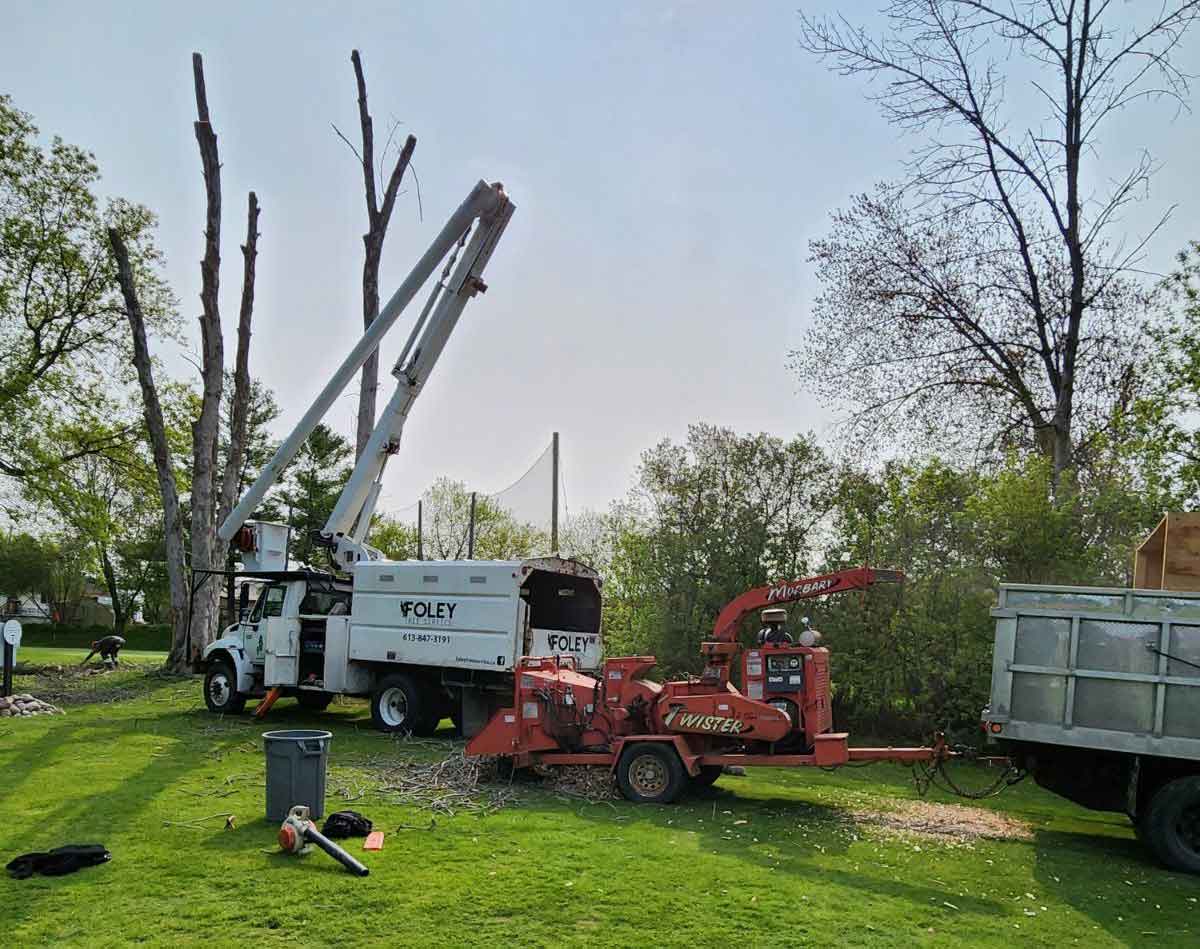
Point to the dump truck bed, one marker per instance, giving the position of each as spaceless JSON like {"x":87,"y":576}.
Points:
{"x":1098,"y":667}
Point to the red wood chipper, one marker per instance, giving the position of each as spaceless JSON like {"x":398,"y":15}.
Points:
{"x":662,"y":737}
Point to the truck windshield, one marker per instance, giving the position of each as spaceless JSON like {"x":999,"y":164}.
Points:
{"x":318,"y":602}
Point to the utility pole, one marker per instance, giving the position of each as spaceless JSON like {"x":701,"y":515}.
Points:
{"x":420,"y":533}
{"x":471,"y":531}
{"x":554,"y":495}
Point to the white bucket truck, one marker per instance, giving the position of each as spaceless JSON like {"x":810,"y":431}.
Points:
{"x":425,"y":640}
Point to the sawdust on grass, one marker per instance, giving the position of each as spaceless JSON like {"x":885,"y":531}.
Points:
{"x":950,"y":823}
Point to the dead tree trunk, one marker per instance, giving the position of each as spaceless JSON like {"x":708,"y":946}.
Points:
{"x":211,"y":498}
{"x":212,"y":370}
{"x":378,"y":217}
{"x":153,"y":415}
{"x":230,"y":479}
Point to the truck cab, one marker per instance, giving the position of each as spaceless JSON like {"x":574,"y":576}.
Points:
{"x":280,"y":641}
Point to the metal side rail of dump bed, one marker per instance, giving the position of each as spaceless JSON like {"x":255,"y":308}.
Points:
{"x":1096,"y":667}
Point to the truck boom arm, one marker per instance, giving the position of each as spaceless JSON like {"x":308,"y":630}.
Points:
{"x":487,"y":204}
{"x":350,"y":519}
{"x":788,"y":591}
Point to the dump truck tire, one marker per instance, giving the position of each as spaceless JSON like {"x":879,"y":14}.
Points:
{"x":650,"y":772}
{"x":1171,"y":824}
{"x":396,"y":704}
{"x":220,"y":690}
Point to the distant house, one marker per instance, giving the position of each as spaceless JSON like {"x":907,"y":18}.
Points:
{"x":28,"y":607}
{"x":94,"y":608}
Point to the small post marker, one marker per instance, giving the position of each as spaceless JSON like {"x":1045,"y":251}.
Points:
{"x":12,"y":639}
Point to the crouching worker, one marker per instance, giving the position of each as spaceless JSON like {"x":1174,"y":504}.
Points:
{"x":108,"y":647}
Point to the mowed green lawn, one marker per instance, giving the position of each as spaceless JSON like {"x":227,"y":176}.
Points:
{"x":773,"y":858}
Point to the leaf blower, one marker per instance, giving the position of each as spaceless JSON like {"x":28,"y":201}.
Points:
{"x":297,"y":831}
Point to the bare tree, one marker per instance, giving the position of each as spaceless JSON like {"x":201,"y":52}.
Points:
{"x":177,"y":579}
{"x":1002,"y":256}
{"x":209,"y":498}
{"x":231,"y":479}
{"x":379,"y":216}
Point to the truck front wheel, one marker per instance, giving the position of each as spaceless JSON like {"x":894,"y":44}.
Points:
{"x":1171,"y":824}
{"x":650,"y":772}
{"x":397,"y":705}
{"x":220,"y":690}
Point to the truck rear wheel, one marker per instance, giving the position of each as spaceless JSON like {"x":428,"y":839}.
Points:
{"x":220,"y":690}
{"x":397,"y":705}
{"x":1171,"y":824}
{"x":650,"y":772}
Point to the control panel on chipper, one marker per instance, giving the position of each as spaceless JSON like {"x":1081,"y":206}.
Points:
{"x":785,"y":673}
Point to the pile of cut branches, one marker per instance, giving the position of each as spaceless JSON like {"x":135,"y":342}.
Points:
{"x":458,"y":784}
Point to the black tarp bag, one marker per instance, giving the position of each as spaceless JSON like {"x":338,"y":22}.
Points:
{"x":58,"y":862}
{"x":342,"y":824}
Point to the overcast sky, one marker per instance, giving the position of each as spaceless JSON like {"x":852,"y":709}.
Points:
{"x":669,"y":163}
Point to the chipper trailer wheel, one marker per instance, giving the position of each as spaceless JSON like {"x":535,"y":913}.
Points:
{"x":650,"y":772}
{"x":1171,"y":824}
{"x":220,"y":690}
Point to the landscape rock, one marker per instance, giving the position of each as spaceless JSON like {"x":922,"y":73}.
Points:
{"x":24,"y":706}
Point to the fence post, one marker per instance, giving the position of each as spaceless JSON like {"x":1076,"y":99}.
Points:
{"x":554,"y":496}
{"x":471,"y":531}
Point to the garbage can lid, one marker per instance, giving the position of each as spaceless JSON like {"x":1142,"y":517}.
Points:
{"x":297,"y":734}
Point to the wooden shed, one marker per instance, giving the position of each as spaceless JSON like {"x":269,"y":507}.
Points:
{"x":1169,"y":557}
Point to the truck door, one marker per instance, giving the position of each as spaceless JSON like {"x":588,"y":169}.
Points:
{"x":280,"y":634}
{"x":251,"y":630}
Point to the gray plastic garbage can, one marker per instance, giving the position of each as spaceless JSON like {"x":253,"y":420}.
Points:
{"x":296,"y":771}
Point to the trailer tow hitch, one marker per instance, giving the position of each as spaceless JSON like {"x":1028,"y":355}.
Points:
{"x":934,"y":773}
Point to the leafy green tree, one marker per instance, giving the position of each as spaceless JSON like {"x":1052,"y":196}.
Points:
{"x":1158,"y":434}
{"x":63,"y":356}
{"x":498,"y":535}
{"x":1024,"y":536}
{"x":916,"y":657}
{"x":25,"y":565}
{"x":69,"y":573}
{"x":705,"y":521}
{"x":110,"y":502}
{"x":309,"y":490}
{"x":396,"y":539}
{"x":588,"y":537}
{"x":259,"y":445}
